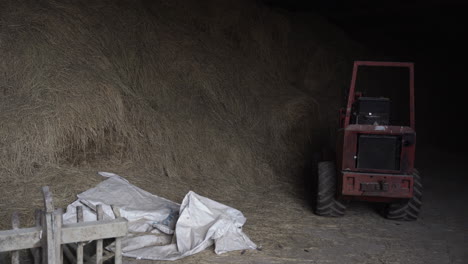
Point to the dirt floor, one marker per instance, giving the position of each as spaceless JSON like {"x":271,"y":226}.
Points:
{"x":362,"y":236}
{"x":282,"y":224}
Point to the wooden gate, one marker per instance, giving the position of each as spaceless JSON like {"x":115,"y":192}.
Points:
{"x":52,"y":239}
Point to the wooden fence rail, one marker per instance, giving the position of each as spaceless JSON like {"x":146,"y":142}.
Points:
{"x":52,"y":238}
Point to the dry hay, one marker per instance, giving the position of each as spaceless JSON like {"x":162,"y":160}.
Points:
{"x":220,"y":98}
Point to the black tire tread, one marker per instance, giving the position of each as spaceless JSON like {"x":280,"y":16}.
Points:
{"x":327,"y":205}
{"x":408,"y":210}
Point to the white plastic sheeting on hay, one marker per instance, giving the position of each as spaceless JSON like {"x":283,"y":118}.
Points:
{"x":160,"y":229}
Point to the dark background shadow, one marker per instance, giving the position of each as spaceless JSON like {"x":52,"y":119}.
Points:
{"x":429,"y":33}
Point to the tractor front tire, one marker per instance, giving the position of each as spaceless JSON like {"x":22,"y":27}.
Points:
{"x":326,"y":204}
{"x":409,"y":209}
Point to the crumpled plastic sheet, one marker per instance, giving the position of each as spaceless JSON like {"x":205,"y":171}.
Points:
{"x":160,"y":229}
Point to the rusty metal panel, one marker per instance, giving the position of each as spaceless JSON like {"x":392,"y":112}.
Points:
{"x":381,"y":185}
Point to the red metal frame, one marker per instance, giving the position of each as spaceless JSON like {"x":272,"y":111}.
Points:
{"x":400,"y":183}
{"x":351,"y":96}
{"x":399,"y":186}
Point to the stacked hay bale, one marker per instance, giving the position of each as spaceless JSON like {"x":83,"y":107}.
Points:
{"x":217,"y":97}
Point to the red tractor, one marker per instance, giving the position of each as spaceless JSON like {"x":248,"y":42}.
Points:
{"x":375,"y":152}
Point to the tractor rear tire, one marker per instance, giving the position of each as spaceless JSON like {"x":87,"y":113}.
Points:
{"x":326,"y":204}
{"x":409,"y":209}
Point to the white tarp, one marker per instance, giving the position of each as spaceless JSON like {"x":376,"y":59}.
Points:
{"x":160,"y":229}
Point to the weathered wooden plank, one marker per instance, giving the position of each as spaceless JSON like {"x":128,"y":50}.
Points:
{"x":48,"y":228}
{"x":44,"y":239}
{"x":118,"y":240}
{"x":58,"y":235}
{"x":66,"y":250}
{"x":15,"y":223}
{"x":106,"y":256}
{"x":99,"y":244}
{"x":116,"y":211}
{"x":86,"y":231}
{"x":73,"y":247}
{"x":79,"y":249}
{"x":20,"y":239}
{"x":48,"y":201}
{"x":36,"y":252}
{"x":118,"y":251}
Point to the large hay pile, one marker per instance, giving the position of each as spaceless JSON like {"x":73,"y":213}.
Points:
{"x":218,"y":97}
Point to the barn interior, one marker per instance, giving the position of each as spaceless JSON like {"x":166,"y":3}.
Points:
{"x":231,"y":99}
